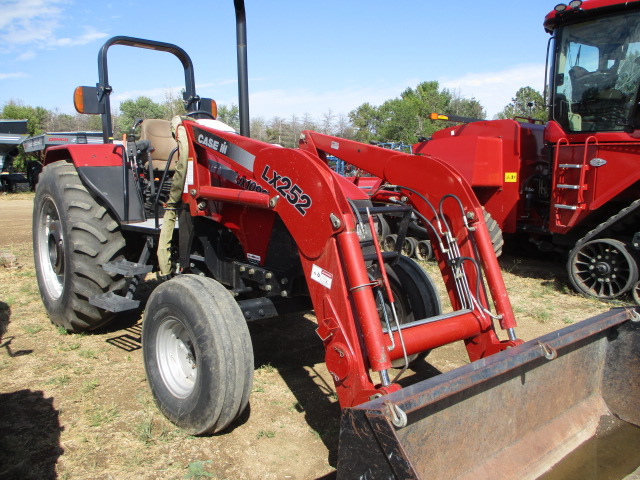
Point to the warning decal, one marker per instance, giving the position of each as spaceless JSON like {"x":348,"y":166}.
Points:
{"x":321,"y":276}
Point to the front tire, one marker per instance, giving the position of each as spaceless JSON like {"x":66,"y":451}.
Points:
{"x":73,"y":235}
{"x":197,"y":354}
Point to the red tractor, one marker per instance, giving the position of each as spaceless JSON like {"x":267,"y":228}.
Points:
{"x":264,"y":230}
{"x":570,"y":184}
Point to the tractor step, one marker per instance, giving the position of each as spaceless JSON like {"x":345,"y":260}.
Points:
{"x":114,"y":303}
{"x":127,"y":268}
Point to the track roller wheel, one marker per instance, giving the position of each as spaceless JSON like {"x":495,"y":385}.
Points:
{"x":382,"y":226}
{"x":635,"y":293}
{"x":602,"y":268}
{"x":424,"y":251}
{"x":415,"y":295}
{"x":409,"y":246}
{"x":389,"y":242}
{"x":197,"y":354}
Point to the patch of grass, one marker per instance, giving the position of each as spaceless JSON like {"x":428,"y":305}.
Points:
{"x":62,"y":331}
{"x":69,"y":347}
{"x":103,"y":415}
{"x":542,"y":316}
{"x":59,"y":381}
{"x":144,"y":431}
{"x":197,"y":470}
{"x":89,"y":386}
{"x":32,"y":329}
{"x":26,"y":273}
{"x":266,"y":368}
{"x":257,"y":387}
{"x":28,"y":289}
{"x":83,"y":370}
{"x":88,"y":354}
{"x":515,"y":264}
{"x":266,"y":434}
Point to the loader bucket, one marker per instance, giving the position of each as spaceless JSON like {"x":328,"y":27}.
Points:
{"x":565,"y":405}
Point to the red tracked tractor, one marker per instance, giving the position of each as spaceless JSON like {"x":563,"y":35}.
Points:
{"x":572,"y":184}
{"x":263,"y":230}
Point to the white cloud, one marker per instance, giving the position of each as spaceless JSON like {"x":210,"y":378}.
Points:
{"x":28,"y":55}
{"x":37,"y":22}
{"x":28,"y":21}
{"x":4,"y":76}
{"x":494,"y":90}
{"x":87,"y":37}
{"x":300,"y":101}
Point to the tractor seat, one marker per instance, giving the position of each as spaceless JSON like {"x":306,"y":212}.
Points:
{"x":158,"y":133}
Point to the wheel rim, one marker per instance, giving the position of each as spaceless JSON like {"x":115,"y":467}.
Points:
{"x":603,"y":269}
{"x":176,"y":357}
{"x":423,"y":250}
{"x":50,"y":244}
{"x":389,"y":242}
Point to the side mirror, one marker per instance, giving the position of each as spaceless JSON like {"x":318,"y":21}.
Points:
{"x":85,"y":100}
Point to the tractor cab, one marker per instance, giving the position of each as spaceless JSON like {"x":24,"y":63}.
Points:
{"x":595,"y":69}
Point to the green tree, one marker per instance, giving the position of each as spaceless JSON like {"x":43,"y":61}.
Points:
{"x":131,"y":110}
{"x":36,"y":117}
{"x":527,"y":103}
{"x":173,"y":105}
{"x":230,"y":115}
{"x":258,"y":129}
{"x":408,"y":117}
{"x":366,"y":119}
{"x":464,"y":107}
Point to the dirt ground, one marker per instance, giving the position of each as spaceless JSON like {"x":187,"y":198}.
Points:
{"x":78,"y":406}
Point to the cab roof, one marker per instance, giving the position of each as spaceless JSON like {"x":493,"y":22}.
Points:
{"x":582,"y":10}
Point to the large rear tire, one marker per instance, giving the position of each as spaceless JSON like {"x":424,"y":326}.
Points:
{"x":197,"y":354}
{"x":73,"y":234}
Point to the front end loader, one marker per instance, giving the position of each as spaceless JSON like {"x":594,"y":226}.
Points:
{"x":263,"y":231}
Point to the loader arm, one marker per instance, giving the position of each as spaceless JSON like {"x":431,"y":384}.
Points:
{"x":428,"y":185}
{"x":318,"y":208}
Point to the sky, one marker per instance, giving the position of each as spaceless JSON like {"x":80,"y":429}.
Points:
{"x":304,"y":57}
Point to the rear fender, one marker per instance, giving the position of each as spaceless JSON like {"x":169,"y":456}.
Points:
{"x":100,"y":169}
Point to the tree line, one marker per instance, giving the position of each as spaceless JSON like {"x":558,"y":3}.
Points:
{"x":402,"y":119}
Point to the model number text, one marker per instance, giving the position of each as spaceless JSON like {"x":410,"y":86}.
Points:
{"x":289,"y":190}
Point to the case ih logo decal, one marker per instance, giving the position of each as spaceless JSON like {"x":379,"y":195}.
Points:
{"x":213,"y":144}
{"x":226,"y":148}
{"x":289,"y":190}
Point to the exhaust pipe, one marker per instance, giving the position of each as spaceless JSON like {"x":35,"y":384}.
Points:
{"x":243,"y":76}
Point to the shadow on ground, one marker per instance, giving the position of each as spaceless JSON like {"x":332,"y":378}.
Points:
{"x":29,"y":436}
{"x":291,"y":345}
